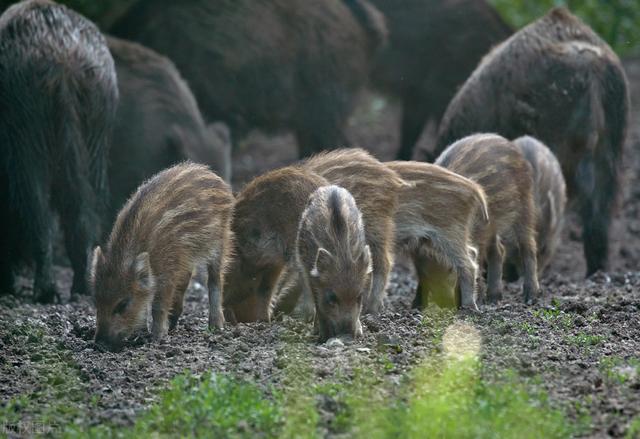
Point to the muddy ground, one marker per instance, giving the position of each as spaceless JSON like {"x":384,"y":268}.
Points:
{"x":581,"y":343}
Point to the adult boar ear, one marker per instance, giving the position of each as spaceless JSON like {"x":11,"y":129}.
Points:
{"x":142,"y":269}
{"x":323,"y":259}
{"x":366,"y":258}
{"x":96,"y":260}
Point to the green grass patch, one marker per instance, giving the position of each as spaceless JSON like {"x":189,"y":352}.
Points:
{"x":451,"y":400}
{"x":555,"y":317}
{"x":584,"y":340}
{"x":633,"y":432}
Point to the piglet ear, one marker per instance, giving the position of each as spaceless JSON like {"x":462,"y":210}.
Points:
{"x":323,"y":259}
{"x":96,"y":260}
{"x":366,"y":257}
{"x":142,"y":269}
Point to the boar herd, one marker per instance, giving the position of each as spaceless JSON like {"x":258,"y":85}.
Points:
{"x":87,"y":119}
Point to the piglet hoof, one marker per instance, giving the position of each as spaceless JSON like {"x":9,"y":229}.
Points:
{"x":374,"y":308}
{"x":159,"y":332}
{"x":470,"y":309}
{"x":216,"y":321}
{"x":358,"y":331}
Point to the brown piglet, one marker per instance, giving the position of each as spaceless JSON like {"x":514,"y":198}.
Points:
{"x":265,"y":225}
{"x":434,"y":226}
{"x":375,"y":188}
{"x":334,"y":261}
{"x":177,"y":220}
{"x":500,"y":168}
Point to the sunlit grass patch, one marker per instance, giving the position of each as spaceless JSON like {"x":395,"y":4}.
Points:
{"x":447,"y":397}
{"x":209,"y":406}
{"x":633,"y":432}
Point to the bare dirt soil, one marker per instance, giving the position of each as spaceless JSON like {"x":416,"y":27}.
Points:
{"x":581,"y":343}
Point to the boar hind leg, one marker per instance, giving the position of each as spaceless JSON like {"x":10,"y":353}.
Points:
{"x":79,"y":222}
{"x":421,"y":299}
{"x":467,"y":273}
{"x":495,"y":260}
{"x":598,"y":187}
{"x":414,"y":116}
{"x":216,"y":316}
{"x":40,"y":231}
{"x":527,"y":245}
{"x":178,"y":303}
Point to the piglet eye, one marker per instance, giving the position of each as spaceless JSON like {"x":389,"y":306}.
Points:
{"x":332,"y":299}
{"x":121,"y":306}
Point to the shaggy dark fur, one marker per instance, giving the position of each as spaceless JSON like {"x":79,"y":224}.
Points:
{"x":268,"y":64}
{"x":434,"y":45}
{"x":158,"y":123}
{"x":559,"y":82}
{"x":58,"y":97}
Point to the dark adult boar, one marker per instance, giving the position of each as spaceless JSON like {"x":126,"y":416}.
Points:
{"x":265,"y":224}
{"x":434,"y":45}
{"x":268,"y":64}
{"x":559,"y":82}
{"x":158,"y":123}
{"x":435,"y":224}
{"x":58,"y":98}
{"x":500,"y":168}
{"x":334,"y":261}
{"x":176,"y":221}
{"x":375,"y":188}
{"x":550,"y":200}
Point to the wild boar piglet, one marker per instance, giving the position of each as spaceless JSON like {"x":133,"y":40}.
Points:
{"x":334,"y":260}
{"x":175,"y":222}
{"x":550,"y":200}
{"x":500,"y":168}
{"x":265,"y":225}
{"x":434,"y":226}
{"x":375,"y":188}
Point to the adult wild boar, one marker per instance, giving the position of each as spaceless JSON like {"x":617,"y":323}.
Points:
{"x":273,"y":65}
{"x":158,"y":123}
{"x":434,"y":45}
{"x":58,"y":98}
{"x":559,"y":82}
